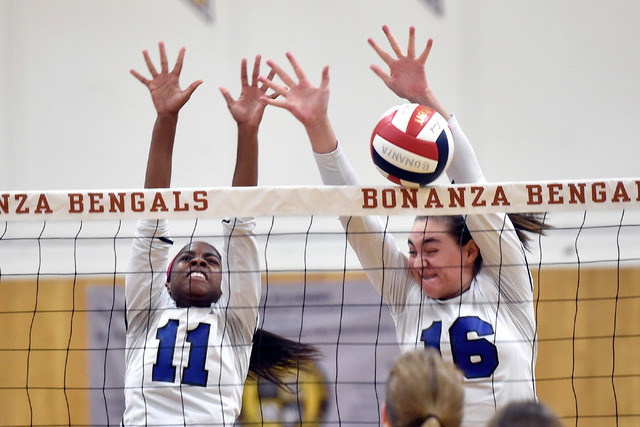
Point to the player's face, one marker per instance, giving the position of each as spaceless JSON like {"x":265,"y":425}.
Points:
{"x":195,"y":277}
{"x":442,"y":267}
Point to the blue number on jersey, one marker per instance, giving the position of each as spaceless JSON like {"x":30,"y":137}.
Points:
{"x":195,"y":372}
{"x":163,"y":370}
{"x":464,"y":349}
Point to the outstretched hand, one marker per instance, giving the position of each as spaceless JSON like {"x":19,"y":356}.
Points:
{"x":248,"y":109}
{"x":309,"y":104}
{"x":406,"y":77}
{"x":164,"y":86}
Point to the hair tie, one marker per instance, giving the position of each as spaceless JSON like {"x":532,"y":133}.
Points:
{"x":428,"y":417}
{"x":170,"y":266}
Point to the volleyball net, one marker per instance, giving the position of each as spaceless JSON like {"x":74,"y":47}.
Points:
{"x":63,"y":256}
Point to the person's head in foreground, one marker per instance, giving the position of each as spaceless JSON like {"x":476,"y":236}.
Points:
{"x":423,"y":390}
{"x":525,"y":414}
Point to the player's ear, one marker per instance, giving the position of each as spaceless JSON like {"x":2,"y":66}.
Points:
{"x":384,"y":418}
{"x":471,"y":251}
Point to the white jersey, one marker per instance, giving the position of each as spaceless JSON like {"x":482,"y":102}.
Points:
{"x":187,"y":366}
{"x":489,"y":330}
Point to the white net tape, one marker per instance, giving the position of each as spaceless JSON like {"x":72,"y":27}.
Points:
{"x":522,"y":197}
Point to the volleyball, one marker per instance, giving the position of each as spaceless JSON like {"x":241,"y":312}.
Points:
{"x":412,"y":145}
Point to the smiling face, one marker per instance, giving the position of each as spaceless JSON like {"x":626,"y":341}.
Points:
{"x":443,"y":268}
{"x":195,"y":276}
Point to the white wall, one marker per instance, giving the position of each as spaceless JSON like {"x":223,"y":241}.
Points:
{"x":545,"y":89}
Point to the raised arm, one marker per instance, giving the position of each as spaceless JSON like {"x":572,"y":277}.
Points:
{"x":247,"y":111}
{"x":407,"y":76}
{"x":168,"y":99}
{"x":145,"y":281}
{"x":309,"y":104}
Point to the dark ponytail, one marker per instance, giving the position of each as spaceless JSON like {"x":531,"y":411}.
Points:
{"x":523,"y":223}
{"x":528,"y":223}
{"x":273,"y":355}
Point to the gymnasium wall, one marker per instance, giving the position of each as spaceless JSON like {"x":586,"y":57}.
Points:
{"x":544,"y":90}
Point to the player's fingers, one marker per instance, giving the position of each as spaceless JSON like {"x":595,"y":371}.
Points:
{"x":147,"y":60}
{"x":177,"y":69}
{"x":277,"y":88}
{"x":270,"y":77}
{"x":193,"y":86}
{"x":227,"y":96}
{"x":381,"y":52}
{"x":256,"y":70}
{"x":379,"y":72}
{"x":425,"y":53}
{"x":411,"y":45}
{"x":243,"y":72}
{"x":296,"y":67}
{"x":164,"y":65}
{"x":272,"y":101}
{"x":280,"y":73}
{"x":325,"y":77}
{"x":393,"y":42}
{"x":138,"y":76}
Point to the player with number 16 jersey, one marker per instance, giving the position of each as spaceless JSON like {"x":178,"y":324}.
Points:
{"x":465,"y":287}
{"x":488,"y":328}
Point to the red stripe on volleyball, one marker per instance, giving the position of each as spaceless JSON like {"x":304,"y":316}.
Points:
{"x":394,"y":179}
{"x":381,"y":124}
{"x":419,"y":118}
{"x":389,"y":132}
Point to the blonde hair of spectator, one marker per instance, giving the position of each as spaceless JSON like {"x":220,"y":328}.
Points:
{"x":423,"y":390}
